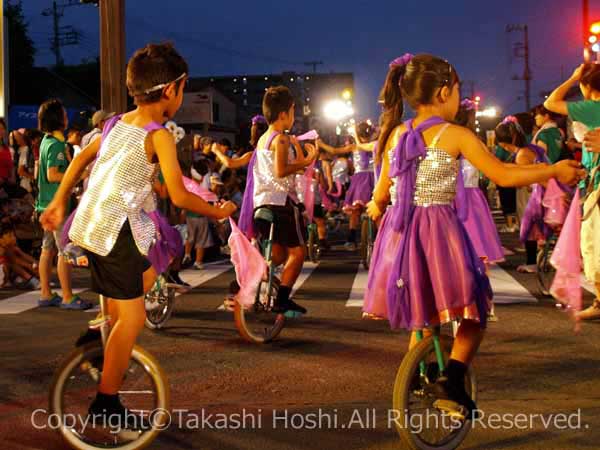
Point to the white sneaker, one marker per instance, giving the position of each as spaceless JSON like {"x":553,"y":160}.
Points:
{"x":350,"y":246}
{"x":33,"y":283}
{"x":225,"y":250}
{"x":531,"y":268}
{"x":198,"y":266}
{"x":186,"y":260}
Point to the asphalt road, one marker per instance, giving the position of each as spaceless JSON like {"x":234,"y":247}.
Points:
{"x":331,"y":363}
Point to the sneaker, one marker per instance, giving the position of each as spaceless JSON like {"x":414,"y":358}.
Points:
{"x":90,"y":335}
{"x":175,"y":281}
{"x":350,"y":246}
{"x":33,"y":284}
{"x":531,"y":268}
{"x":289,"y":305}
{"x":452,"y":400}
{"x":186,"y":260}
{"x":116,"y":416}
{"x":225,"y":250}
{"x":76,"y":304}
{"x":198,"y":266}
{"x":55,"y":300}
{"x":591,"y":313}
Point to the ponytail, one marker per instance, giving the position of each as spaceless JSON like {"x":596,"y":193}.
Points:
{"x":393,"y":106}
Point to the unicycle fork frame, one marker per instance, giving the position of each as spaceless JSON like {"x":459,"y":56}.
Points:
{"x":439,"y":355}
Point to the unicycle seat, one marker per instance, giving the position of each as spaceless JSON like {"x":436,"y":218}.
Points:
{"x":264,"y":214}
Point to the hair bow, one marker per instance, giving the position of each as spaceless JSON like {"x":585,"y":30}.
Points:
{"x":468,"y":104}
{"x":510,"y":119}
{"x":402,"y":60}
{"x":258,"y":119}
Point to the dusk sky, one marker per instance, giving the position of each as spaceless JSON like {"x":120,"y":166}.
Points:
{"x":230,"y":37}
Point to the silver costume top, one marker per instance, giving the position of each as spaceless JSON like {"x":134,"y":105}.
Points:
{"x":358,"y":163}
{"x":436,"y":178}
{"x":393,"y":191}
{"x":269,"y":189}
{"x":470,"y":174}
{"x":120,"y":188}
{"x":339,"y":171}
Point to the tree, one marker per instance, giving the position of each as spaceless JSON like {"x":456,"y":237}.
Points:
{"x":21,"y":50}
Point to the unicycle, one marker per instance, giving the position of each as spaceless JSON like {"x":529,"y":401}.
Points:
{"x":367,"y":241}
{"x":257,"y":323}
{"x":159,"y":303}
{"x":145,"y":392}
{"x":545,"y":271}
{"x":422,"y":420}
{"x":313,"y":247}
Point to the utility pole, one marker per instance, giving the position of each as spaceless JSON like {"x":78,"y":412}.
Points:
{"x":524,"y":47}
{"x":314,"y":64}
{"x":112,"y":55}
{"x":62,"y":36}
{"x":4,"y":83}
{"x":584,"y":28}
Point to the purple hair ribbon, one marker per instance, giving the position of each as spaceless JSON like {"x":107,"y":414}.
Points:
{"x":402,"y":60}
{"x":258,"y":119}
{"x":468,"y":104}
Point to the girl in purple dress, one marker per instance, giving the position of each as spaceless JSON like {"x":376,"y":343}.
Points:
{"x":511,"y":137}
{"x":436,"y":274}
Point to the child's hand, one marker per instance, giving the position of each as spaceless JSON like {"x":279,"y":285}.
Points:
{"x":227,"y":209}
{"x":373,"y":211}
{"x":569,"y":172}
{"x":312,"y":153}
{"x":591,"y":141}
{"x":577,"y":73}
{"x":53,"y":216}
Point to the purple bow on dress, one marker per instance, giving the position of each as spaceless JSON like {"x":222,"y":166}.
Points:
{"x":410,"y":147}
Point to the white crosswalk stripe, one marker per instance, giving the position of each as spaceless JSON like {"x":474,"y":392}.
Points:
{"x":359,"y":287}
{"x":25,"y":301}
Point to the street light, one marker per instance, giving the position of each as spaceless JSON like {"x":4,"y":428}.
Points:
{"x":336,"y":110}
{"x":347,"y":94}
{"x":487,"y":112}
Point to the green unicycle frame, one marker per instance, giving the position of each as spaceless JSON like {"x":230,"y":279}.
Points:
{"x":438,"y":352}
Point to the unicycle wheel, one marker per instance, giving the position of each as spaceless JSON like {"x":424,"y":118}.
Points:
{"x":420,"y":424}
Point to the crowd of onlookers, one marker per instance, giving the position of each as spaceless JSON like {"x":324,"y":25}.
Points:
{"x":32,"y":163}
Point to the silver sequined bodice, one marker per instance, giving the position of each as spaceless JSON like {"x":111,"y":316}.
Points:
{"x":358,"y":163}
{"x":269,"y":189}
{"x":339,"y":171}
{"x":120,"y":188}
{"x":436,"y":178}
{"x":470,"y":174}
{"x":393,"y":190}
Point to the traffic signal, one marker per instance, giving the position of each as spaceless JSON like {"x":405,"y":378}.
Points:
{"x":594,"y":37}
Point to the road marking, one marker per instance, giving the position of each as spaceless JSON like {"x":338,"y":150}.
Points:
{"x":25,"y":301}
{"x":506,"y":289}
{"x":307,"y":270}
{"x":359,"y":286}
{"x":197,"y":278}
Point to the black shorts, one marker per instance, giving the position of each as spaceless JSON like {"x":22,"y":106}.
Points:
{"x":508,"y":200}
{"x":120,"y":274}
{"x":319,"y":212}
{"x":290,"y":229}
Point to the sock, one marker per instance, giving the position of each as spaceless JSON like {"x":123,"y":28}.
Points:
{"x":352,"y":236}
{"x":455,"y":371}
{"x":284,"y":294}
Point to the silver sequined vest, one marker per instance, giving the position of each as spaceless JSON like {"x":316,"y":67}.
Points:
{"x":120,"y":188}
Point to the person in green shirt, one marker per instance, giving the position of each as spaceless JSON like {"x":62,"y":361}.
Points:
{"x":53,"y":163}
{"x":549,"y":136}
{"x":586,"y":112}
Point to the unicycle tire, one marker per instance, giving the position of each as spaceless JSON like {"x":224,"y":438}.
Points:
{"x":256,"y":324}
{"x":162,"y":302}
{"x":404,"y":389}
{"x":80,"y":363}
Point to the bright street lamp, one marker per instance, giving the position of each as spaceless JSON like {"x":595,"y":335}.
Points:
{"x":337,"y":110}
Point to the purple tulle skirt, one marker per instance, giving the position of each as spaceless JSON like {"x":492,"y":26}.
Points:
{"x":384,"y":251}
{"x":437,"y":275}
{"x":361,"y":189}
{"x":533,"y":227}
{"x":480,"y":226}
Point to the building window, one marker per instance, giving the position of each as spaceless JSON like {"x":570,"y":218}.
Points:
{"x":216,"y":112}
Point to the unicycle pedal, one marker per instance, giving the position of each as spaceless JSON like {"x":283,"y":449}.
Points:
{"x":98,"y":322}
{"x":451,"y":409}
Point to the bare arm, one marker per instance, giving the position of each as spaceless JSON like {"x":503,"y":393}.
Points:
{"x":556,"y":100}
{"x":164,"y":146}
{"x":230,"y":163}
{"x":54,"y":175}
{"x":283,"y":168}
{"x":368,"y":147}
{"x":509,"y":175}
{"x":336,"y":150}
